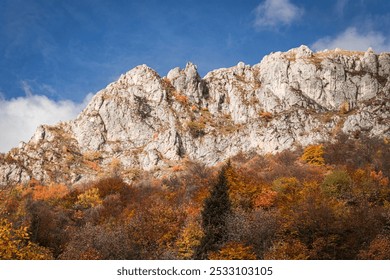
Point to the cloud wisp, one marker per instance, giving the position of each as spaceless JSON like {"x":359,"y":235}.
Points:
{"x":19,"y":117}
{"x":352,"y":39}
{"x":340,"y":7}
{"x":275,"y":13}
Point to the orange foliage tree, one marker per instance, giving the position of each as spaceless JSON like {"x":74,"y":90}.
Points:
{"x":52,"y":192}
{"x":379,"y":249}
{"x":243,"y":189}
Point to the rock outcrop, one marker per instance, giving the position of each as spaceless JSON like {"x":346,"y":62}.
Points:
{"x":144,"y":121}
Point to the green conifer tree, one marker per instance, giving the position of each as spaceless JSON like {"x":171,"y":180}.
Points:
{"x":214,"y":215}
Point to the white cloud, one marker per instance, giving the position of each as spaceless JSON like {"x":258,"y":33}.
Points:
{"x":273,"y":13}
{"x":19,"y":117}
{"x":352,"y":39}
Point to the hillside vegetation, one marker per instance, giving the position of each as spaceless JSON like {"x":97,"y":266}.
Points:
{"x":329,"y":201}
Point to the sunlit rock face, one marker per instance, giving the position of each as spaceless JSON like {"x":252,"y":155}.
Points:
{"x":145,"y":121}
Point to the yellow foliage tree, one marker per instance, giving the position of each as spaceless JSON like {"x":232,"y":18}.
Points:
{"x":233,"y":251}
{"x":288,"y":191}
{"x":189,"y":239}
{"x":15,"y":244}
{"x":88,"y":199}
{"x":314,"y":155}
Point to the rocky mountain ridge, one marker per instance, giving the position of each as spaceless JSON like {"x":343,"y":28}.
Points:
{"x":147,"y":122}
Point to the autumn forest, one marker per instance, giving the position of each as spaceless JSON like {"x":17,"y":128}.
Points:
{"x":329,"y":201}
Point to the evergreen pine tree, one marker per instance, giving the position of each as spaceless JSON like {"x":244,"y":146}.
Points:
{"x":214,"y":215}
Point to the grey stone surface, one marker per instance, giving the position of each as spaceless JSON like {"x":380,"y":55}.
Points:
{"x":144,"y":121}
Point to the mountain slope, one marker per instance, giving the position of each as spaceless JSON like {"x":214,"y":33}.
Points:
{"x":143,"y":121}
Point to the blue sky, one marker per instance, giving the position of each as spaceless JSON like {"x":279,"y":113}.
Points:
{"x":55,"y":54}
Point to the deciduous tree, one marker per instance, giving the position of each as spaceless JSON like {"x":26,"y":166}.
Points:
{"x":15,"y":244}
{"x":233,"y":251}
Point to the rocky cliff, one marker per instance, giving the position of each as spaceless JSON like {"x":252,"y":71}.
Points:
{"x":144,"y":121}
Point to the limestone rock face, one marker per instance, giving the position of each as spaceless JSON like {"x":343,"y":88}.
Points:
{"x":144,"y":121}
